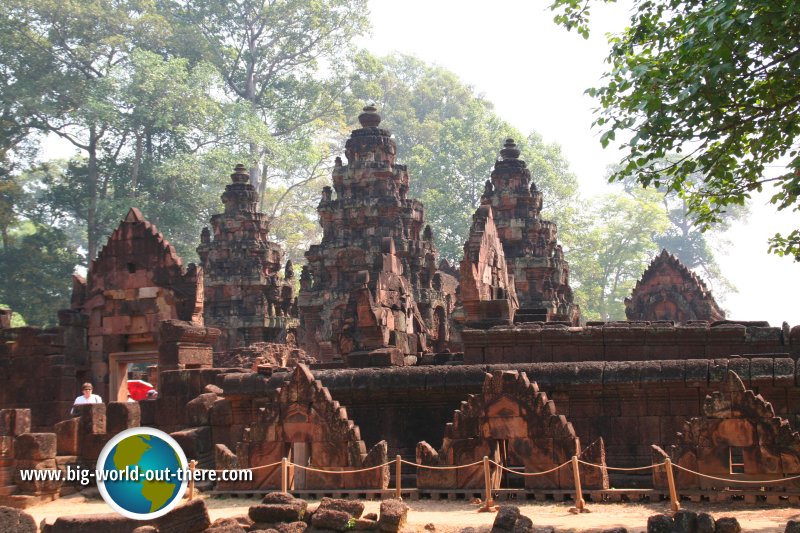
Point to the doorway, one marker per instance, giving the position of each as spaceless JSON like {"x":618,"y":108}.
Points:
{"x":119,"y":363}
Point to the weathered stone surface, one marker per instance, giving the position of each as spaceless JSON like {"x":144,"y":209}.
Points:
{"x":354,"y":508}
{"x":35,"y":446}
{"x":373,"y":282}
{"x":685,"y":521}
{"x":190,"y":517}
{"x":16,"y":521}
{"x":330,"y":519}
{"x":738,"y":433}
{"x":705,"y":523}
{"x":532,"y":253}
{"x":136,"y":281}
{"x":506,"y":517}
{"x":282,"y":497}
{"x":660,"y":523}
{"x":523,"y":525}
{"x":366,"y":524}
{"x":245,"y":296}
{"x":393,"y":515}
{"x":292,"y":527}
{"x":510,"y":409}
{"x":728,"y":524}
{"x":277,"y":512}
{"x":669,"y":291}
{"x":302,"y":411}
{"x":486,"y":289}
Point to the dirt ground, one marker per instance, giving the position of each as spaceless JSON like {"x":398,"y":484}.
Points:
{"x":452,"y":516}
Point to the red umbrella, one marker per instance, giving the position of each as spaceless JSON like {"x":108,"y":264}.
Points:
{"x":138,"y":389}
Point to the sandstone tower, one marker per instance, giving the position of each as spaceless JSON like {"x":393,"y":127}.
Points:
{"x":374,"y":237}
{"x":532,"y":253}
{"x":245,"y":296}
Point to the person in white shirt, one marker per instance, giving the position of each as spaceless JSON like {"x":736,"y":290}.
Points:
{"x":86,"y":397}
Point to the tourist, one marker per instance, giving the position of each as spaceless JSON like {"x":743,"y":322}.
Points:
{"x":86,"y":397}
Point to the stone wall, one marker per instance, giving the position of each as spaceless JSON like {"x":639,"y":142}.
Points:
{"x":631,"y":405}
{"x":627,"y":341}
{"x":42,"y":369}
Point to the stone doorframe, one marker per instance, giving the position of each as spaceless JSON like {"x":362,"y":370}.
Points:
{"x":118,"y":371}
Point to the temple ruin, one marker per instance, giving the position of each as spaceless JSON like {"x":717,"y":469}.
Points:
{"x":371,"y":293}
{"x":387,"y":352}
{"x":534,"y":257}
{"x":249,"y":292}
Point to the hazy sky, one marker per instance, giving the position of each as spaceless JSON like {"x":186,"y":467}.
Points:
{"x":535,"y":73}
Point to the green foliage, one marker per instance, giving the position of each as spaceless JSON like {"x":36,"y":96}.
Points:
{"x":612,"y":244}
{"x":37,"y":275}
{"x":715,"y":83}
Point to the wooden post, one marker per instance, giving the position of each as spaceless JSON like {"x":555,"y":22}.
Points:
{"x":397,"y":485}
{"x":284,"y":475}
{"x":580,"y":503}
{"x":673,"y":493}
{"x":192,"y":466}
{"x":487,"y":478}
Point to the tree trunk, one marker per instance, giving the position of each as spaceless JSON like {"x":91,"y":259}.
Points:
{"x":137,"y":162}
{"x":91,"y":212}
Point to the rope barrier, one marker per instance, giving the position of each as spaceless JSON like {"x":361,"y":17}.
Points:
{"x":621,"y":469}
{"x":311,"y":469}
{"x":253,"y":468}
{"x":530,"y":474}
{"x":454,"y":467}
{"x":741,"y":481}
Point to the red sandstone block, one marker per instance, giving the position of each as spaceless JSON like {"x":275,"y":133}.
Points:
{"x":92,"y":418}
{"x":35,"y":446}
{"x":473,"y":355}
{"x":15,"y":421}
{"x":517,"y":354}
{"x":67,"y":437}
{"x":121,"y":416}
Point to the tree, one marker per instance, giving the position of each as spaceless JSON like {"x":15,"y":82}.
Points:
{"x":37,"y":275}
{"x":76,"y":46}
{"x":717,"y":84}
{"x":610,"y":249}
{"x":269,"y":55}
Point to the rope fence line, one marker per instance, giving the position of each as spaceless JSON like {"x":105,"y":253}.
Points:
{"x":622,"y":469}
{"x":740,"y":481}
{"x":530,"y":474}
{"x":451,"y":467}
{"x":575,"y":462}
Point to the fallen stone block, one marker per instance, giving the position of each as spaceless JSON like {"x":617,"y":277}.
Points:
{"x":728,"y":524}
{"x":17,"y":521}
{"x":351,"y":507}
{"x":660,"y":523}
{"x":277,"y":512}
{"x":331,"y":519}
{"x":393,"y":515}
{"x":35,"y":446}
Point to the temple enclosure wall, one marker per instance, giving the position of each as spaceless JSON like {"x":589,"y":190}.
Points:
{"x":631,"y":404}
{"x":628,"y":341}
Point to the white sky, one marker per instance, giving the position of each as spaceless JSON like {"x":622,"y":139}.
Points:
{"x":535,"y":73}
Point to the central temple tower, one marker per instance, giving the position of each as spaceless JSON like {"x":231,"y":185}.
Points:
{"x":373,"y":237}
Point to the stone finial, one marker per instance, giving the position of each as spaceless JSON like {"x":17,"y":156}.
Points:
{"x":370,"y":117}
{"x":134,"y":216}
{"x":510,"y":150}
{"x":240,"y":174}
{"x":288,"y":272}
